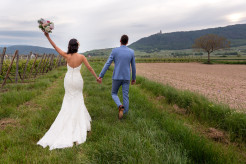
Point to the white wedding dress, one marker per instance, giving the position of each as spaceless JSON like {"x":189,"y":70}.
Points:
{"x":73,"y":121}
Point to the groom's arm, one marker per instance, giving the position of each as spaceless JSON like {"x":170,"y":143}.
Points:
{"x":107,"y":64}
{"x":133,"y":64}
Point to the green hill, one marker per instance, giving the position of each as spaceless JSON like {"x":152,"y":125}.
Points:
{"x":26,"y":49}
{"x":184,"y":40}
{"x":99,"y":52}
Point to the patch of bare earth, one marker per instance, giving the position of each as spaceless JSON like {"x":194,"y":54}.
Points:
{"x":8,"y":122}
{"x":216,"y":135}
{"x":30,"y":105}
{"x":179,"y":110}
{"x":220,"y":83}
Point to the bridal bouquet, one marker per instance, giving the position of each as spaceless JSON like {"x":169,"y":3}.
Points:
{"x":45,"y":25}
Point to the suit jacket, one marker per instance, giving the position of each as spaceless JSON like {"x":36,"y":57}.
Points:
{"x":123,"y":57}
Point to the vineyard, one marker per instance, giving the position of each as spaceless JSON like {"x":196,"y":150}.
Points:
{"x":16,"y":70}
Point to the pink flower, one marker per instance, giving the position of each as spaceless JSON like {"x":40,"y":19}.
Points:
{"x":45,"y":24}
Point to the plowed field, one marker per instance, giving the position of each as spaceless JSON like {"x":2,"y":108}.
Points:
{"x":220,"y":83}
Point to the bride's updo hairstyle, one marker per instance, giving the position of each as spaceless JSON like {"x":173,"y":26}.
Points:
{"x":73,"y":46}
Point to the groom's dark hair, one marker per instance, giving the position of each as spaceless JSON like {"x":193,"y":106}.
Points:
{"x":124,"y":39}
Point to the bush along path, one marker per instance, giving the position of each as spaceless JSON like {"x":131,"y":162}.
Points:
{"x":148,"y":134}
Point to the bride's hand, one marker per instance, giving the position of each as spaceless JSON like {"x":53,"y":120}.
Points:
{"x":46,"y":34}
{"x":99,"y":80}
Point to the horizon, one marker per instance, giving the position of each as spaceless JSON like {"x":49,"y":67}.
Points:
{"x":99,"y":25}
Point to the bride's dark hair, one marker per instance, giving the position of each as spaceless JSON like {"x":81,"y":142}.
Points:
{"x":73,"y":46}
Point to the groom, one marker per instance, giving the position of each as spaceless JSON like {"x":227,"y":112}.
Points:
{"x":123,"y":57}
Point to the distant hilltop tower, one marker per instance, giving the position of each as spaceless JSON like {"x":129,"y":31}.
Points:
{"x":160,"y":32}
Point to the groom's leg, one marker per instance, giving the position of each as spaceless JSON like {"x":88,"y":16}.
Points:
{"x":115,"y":88}
{"x":125,"y":91}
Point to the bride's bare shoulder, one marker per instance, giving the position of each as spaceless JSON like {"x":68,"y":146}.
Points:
{"x":82,"y":56}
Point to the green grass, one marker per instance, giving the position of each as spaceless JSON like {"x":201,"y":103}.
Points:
{"x":217,"y":115}
{"x":168,"y":60}
{"x":214,"y":60}
{"x":242,"y":61}
{"x":146,"y":135}
{"x":18,"y":94}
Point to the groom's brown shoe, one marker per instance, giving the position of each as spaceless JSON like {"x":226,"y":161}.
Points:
{"x":121,"y":110}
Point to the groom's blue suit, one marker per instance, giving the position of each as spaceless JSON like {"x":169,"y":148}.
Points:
{"x":123,"y":57}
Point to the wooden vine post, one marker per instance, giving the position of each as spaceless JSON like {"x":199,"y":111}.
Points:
{"x":51,"y":62}
{"x":10,"y":66}
{"x":42,"y":65}
{"x":46,"y":63}
{"x":27,"y":61}
{"x":2,"y":58}
{"x":17,"y":68}
{"x":30,"y":74}
{"x":39,"y":65}
{"x":64,"y":62}
{"x":57,"y":61}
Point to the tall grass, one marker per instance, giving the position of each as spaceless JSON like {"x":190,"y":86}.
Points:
{"x":168,"y":60}
{"x":218,"y":115}
{"x":17,"y":94}
{"x":229,"y":62}
{"x":146,"y":135}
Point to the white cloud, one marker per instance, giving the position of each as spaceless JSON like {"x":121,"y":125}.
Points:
{"x":100,"y":23}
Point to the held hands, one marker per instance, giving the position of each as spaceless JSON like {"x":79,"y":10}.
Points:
{"x":99,"y":80}
{"x":133,"y":82}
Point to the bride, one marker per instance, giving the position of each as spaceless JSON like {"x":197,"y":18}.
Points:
{"x":73,"y":121}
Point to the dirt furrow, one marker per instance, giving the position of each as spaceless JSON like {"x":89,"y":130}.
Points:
{"x":220,"y":83}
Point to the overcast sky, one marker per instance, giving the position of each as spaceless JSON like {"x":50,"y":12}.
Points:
{"x":100,"y":23}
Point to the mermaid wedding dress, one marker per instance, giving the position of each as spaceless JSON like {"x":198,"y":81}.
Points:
{"x":73,"y":121}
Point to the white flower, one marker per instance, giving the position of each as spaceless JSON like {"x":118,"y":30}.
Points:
{"x":51,"y":26}
{"x":47,"y":29}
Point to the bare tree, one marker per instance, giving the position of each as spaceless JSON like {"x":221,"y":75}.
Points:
{"x":210,"y":43}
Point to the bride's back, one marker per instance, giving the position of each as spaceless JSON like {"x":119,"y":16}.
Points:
{"x":74,"y":60}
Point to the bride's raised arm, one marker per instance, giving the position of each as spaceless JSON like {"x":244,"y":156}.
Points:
{"x":62,"y":53}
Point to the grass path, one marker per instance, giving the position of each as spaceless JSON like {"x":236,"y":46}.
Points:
{"x":148,"y":134}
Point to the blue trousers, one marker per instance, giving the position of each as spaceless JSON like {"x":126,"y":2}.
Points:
{"x":125,"y":90}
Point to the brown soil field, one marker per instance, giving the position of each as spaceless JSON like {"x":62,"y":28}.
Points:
{"x":220,"y":83}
